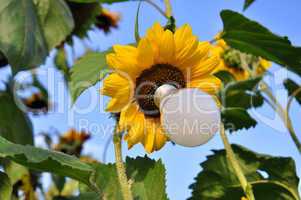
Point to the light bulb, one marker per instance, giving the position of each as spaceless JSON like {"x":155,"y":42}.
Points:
{"x":189,"y":116}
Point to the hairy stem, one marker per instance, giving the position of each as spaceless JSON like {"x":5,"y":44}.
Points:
{"x":292,"y":132}
{"x":150,"y":2}
{"x":124,"y":184}
{"x":235,"y":164}
{"x":284,"y":114}
{"x":289,"y":122}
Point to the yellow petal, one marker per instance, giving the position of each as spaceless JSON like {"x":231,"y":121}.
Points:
{"x":265,"y":64}
{"x":182,"y":35}
{"x":205,"y":49}
{"x":119,"y":89}
{"x":122,"y":99}
{"x":115,"y":105}
{"x":186,"y":45}
{"x":145,"y":54}
{"x":149,"y":137}
{"x":128,"y":115}
{"x":125,"y":50}
{"x":205,"y":67}
{"x":124,"y":62}
{"x":221,"y":43}
{"x":153,"y":35}
{"x":113,"y":83}
{"x":209,"y":84}
{"x":166,"y":48}
{"x":137,"y":132}
{"x":155,"y":137}
{"x":190,"y":61}
{"x":185,"y":41}
{"x":160,"y":139}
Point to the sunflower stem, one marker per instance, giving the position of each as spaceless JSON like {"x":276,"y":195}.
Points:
{"x":283,"y":114}
{"x":168,"y":9}
{"x":247,"y":188}
{"x":150,"y":2}
{"x":121,"y":172}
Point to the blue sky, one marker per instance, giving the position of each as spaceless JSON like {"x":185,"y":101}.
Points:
{"x":182,"y":164}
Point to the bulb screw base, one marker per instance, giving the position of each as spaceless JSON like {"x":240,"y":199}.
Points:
{"x":162,"y":92}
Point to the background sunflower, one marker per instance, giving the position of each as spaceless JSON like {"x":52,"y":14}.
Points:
{"x":232,"y":61}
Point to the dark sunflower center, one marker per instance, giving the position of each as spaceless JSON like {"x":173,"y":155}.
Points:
{"x":152,"y":78}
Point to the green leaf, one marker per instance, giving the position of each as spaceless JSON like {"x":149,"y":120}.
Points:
{"x":59,"y":182}
{"x":147,"y":175}
{"x":236,"y":97}
{"x":86,"y":196}
{"x":86,"y":72}
{"x":249,"y":84}
{"x":248,"y":3}
{"x":242,"y":94}
{"x":149,"y":178}
{"x":107,"y":179}
{"x":14,"y":124}
{"x":21,"y":38}
{"x":291,"y":86}
{"x":249,"y":36}
{"x":237,"y":118}
{"x":5,"y":187}
{"x":47,"y":161}
{"x":61,"y":64}
{"x":30,"y":28}
{"x":56,"y":21}
{"x":83,"y":1}
{"x":225,"y":76}
{"x":241,"y":99}
{"x":271,"y":177}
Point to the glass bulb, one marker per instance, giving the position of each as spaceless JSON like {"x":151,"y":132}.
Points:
{"x":189,"y":116}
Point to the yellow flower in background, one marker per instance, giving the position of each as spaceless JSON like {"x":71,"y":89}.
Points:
{"x":161,"y":57}
{"x":231,"y":61}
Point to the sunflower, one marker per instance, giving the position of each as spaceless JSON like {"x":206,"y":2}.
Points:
{"x":231,"y":61}
{"x":106,"y":20}
{"x":37,"y":103}
{"x":72,"y":142}
{"x":161,"y":57}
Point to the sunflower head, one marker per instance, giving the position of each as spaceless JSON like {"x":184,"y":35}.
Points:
{"x":72,"y":142}
{"x":231,"y":61}
{"x":161,"y":57}
{"x":107,"y":20}
{"x":37,"y":103}
{"x":84,"y":15}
